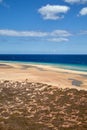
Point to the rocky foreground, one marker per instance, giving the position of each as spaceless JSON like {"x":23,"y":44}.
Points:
{"x":36,"y":106}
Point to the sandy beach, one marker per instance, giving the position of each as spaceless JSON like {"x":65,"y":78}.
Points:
{"x":41,"y":97}
{"x":51,"y":75}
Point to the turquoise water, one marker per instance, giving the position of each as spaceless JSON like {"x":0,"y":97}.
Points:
{"x":75,"y":67}
{"x":71,"y":62}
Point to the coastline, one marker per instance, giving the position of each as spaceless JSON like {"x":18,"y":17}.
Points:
{"x":40,"y":97}
{"x":48,"y":74}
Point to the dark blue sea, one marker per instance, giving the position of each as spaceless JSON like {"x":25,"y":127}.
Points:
{"x":74,"y":62}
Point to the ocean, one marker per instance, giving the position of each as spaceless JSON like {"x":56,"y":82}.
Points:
{"x":72,"y":62}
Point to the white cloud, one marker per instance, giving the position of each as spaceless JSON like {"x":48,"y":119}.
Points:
{"x":58,"y":39}
{"x":53,"y":12}
{"x":53,"y":36}
{"x":56,"y":33}
{"x":76,"y":1}
{"x":22,"y":33}
{"x":83,"y":11}
{"x":62,"y":33}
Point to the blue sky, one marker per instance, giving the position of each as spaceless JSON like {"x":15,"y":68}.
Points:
{"x":43,"y":27}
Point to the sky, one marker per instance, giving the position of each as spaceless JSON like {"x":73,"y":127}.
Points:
{"x":43,"y":26}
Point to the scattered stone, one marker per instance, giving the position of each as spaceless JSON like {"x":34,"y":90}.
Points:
{"x":37,"y":106}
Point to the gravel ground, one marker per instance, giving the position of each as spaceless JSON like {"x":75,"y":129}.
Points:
{"x":37,"y":106}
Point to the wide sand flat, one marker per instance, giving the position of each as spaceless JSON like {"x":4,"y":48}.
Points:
{"x":43,"y":74}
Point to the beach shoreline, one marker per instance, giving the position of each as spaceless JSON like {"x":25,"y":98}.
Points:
{"x":48,"y":74}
